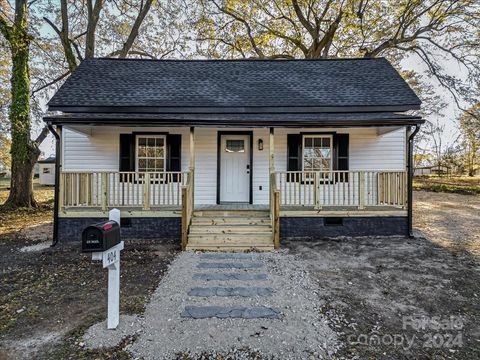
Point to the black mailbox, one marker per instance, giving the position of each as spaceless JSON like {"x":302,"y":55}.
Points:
{"x":101,"y":236}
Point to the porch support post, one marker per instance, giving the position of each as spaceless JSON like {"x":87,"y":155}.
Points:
{"x":271,"y":162}
{"x":192,"y":163}
{"x":409,"y":164}
{"x":58,"y":197}
{"x":271,"y":144}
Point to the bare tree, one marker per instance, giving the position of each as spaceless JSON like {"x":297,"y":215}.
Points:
{"x":431,"y":30}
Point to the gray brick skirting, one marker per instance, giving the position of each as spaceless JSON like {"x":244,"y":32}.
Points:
{"x":161,"y":228}
{"x":314,"y":228}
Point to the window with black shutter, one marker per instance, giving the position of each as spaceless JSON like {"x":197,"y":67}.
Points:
{"x":310,"y":149}
{"x":150,"y":152}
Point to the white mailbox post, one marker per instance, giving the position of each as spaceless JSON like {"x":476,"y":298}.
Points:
{"x":111,"y":260}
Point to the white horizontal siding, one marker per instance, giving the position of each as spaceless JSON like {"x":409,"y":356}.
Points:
{"x":100,"y":152}
{"x":205,"y":166}
{"x":367,"y":150}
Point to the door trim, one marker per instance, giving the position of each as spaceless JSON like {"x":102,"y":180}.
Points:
{"x":219,"y":151}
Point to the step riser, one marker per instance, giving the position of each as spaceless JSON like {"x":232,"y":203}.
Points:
{"x":230,"y":239}
{"x":218,"y":229}
{"x":230,"y":221}
{"x":231,"y":213}
{"x":229,"y":248}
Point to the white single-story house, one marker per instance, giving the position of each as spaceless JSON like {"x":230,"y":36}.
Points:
{"x":46,"y":171}
{"x":235,"y":154}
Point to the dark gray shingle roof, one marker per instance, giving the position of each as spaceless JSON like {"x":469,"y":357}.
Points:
{"x":335,"y":83}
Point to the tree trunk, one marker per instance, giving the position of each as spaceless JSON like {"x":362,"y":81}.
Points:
{"x":24,"y":151}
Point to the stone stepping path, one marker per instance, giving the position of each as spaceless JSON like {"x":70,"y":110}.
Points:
{"x":223,"y":312}
{"x":229,"y":265}
{"x":230,"y":291}
{"x":218,"y":262}
{"x":228,"y":256}
{"x":230,"y":276}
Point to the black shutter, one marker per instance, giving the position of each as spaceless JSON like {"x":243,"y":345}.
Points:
{"x":127,"y":152}
{"x":174,"y":153}
{"x":294,"y":155}
{"x":340,"y":161}
{"x":294,"y":152}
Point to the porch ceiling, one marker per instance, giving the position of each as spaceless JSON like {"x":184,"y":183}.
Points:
{"x":353,"y":119}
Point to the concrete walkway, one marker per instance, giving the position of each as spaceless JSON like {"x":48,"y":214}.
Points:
{"x":220,"y":303}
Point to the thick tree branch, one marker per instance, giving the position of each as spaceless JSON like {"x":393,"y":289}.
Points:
{"x":93,"y":15}
{"x":42,"y":136}
{"x":63,"y":34}
{"x":303,"y":20}
{"x":135,"y":28}
{"x":50,"y":83}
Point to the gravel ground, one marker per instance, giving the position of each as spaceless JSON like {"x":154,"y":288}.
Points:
{"x":98,"y":336}
{"x":300,"y":332}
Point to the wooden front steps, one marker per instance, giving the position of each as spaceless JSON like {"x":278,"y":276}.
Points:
{"x":232,"y":230}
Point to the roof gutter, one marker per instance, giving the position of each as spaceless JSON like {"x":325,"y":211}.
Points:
{"x":277,"y":123}
{"x":411,"y":134}
{"x":57,"y":183}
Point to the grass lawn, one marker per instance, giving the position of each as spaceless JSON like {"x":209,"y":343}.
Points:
{"x":451,"y":184}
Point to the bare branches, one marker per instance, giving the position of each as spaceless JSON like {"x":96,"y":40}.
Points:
{"x":248,"y":28}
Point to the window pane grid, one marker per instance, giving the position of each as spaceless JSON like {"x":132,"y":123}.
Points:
{"x":317,"y":153}
{"x":151,"y":153}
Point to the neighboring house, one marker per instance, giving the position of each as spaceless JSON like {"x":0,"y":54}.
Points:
{"x":36,"y":170}
{"x":235,"y":154}
{"x":46,"y":171}
{"x":434,"y":169}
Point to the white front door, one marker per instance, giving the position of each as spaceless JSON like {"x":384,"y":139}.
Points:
{"x":235,"y":168}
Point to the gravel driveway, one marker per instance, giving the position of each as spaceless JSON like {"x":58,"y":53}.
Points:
{"x":235,"y":304}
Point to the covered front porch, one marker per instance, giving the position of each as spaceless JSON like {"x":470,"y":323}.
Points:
{"x":278,"y":201}
{"x":293,"y":194}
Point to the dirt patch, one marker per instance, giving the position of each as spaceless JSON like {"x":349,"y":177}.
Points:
{"x":449,"y":220}
{"x":373,"y":288}
{"x":61,"y":291}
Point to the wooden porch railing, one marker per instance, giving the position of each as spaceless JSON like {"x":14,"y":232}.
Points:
{"x":187,"y":207}
{"x":342,"y":188}
{"x":104,"y":190}
{"x":275,"y":210}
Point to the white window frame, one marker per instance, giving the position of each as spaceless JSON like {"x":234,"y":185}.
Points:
{"x":147,"y":136}
{"x":316,"y":136}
